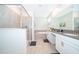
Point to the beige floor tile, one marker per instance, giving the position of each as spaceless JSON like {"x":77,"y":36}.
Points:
{"x":41,"y":47}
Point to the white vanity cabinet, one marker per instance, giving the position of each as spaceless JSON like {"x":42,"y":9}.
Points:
{"x":69,"y":49}
{"x":51,"y":37}
{"x":67,"y":45}
{"x":70,"y":46}
{"x":59,"y":43}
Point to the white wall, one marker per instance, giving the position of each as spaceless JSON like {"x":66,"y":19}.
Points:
{"x":8,"y":18}
{"x":41,"y":23}
{"x":11,"y":19}
{"x":26,"y":22}
{"x":13,"y":41}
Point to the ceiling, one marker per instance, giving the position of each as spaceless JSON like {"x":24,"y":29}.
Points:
{"x":43,"y":10}
{"x":38,"y":10}
{"x":18,"y":9}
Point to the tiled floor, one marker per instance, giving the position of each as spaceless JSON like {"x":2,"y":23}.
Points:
{"x":41,"y":47}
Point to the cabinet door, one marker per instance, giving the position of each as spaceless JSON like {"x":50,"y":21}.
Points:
{"x":71,"y":40}
{"x":59,"y":43}
{"x":68,"y":49}
{"x":51,"y":38}
{"x":67,"y":45}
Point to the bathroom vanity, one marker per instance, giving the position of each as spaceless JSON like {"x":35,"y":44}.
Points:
{"x":65,"y":43}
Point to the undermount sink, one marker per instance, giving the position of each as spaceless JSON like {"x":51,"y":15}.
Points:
{"x":70,"y":34}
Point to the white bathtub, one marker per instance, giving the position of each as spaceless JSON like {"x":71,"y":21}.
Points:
{"x":13,"y":40}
